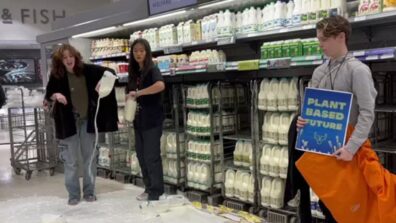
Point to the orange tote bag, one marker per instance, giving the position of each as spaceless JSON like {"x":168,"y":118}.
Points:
{"x":359,"y":191}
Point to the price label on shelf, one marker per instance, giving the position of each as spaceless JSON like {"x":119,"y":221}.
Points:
{"x":279,"y":63}
{"x":284,"y":30}
{"x":387,"y":56}
{"x":216,"y":67}
{"x":226,"y":40}
{"x":173,"y":49}
{"x":373,"y":57}
{"x":252,"y":34}
{"x":315,"y":57}
{"x":308,"y":27}
{"x":359,"y":53}
{"x":360,"y":18}
{"x":317,"y":62}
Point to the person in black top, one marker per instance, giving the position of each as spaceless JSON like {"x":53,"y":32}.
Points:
{"x":145,"y":84}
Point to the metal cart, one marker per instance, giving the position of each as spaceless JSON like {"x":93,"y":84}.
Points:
{"x":32,"y":140}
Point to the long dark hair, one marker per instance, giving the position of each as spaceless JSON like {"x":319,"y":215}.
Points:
{"x":134,"y":67}
{"x":58,"y":69}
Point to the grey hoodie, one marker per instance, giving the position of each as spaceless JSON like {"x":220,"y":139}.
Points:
{"x":355,"y":77}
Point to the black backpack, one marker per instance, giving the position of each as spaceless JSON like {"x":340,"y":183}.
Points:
{"x":3,"y":98}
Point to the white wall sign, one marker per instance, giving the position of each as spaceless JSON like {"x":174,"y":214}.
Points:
{"x":32,"y":16}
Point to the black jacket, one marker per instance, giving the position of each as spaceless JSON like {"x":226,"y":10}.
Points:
{"x":63,"y":114}
{"x":151,"y":110}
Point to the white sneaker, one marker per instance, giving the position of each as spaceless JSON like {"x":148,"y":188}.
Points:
{"x":295,"y":201}
{"x":142,"y":197}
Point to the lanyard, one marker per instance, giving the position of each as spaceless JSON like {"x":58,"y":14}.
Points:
{"x":332,"y":80}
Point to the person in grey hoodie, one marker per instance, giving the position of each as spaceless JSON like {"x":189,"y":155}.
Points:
{"x":343,"y":72}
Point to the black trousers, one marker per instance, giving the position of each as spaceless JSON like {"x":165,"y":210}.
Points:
{"x":295,"y":181}
{"x":148,"y":152}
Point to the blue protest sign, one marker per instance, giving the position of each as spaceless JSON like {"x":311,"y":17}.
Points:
{"x":327,"y":115}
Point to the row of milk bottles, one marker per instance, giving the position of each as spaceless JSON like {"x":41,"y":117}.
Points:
{"x":272,"y":192}
{"x":249,"y":20}
{"x":199,"y":175}
{"x":311,"y":10}
{"x":209,"y":27}
{"x":201,"y":150}
{"x":278,"y":94}
{"x":109,"y":42}
{"x":274,"y":15}
{"x":170,"y":169}
{"x":152,"y":36}
{"x":134,"y":162}
{"x":123,"y":138}
{"x":239,"y":184}
{"x":104,"y":156}
{"x":205,"y":57}
{"x":276,"y":126}
{"x":189,"y":31}
{"x":169,"y":156}
{"x":243,"y":154}
{"x":274,"y":161}
{"x":198,"y":123}
{"x":185,"y":32}
{"x":170,"y":144}
{"x":198,"y":96}
{"x":118,"y":155}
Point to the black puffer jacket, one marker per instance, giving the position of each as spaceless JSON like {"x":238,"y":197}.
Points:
{"x":63,"y":114}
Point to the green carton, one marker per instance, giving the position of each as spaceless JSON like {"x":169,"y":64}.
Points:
{"x":248,"y":65}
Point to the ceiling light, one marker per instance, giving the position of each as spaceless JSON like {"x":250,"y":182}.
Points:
{"x":214,"y":4}
{"x":87,"y":34}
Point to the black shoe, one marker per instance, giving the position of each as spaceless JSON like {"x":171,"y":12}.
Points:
{"x":90,"y":198}
{"x":152,"y":197}
{"x":73,"y":201}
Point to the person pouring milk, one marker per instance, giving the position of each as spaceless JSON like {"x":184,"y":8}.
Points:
{"x":145,"y":84}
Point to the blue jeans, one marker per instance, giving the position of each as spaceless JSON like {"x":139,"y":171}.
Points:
{"x":83,"y":143}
